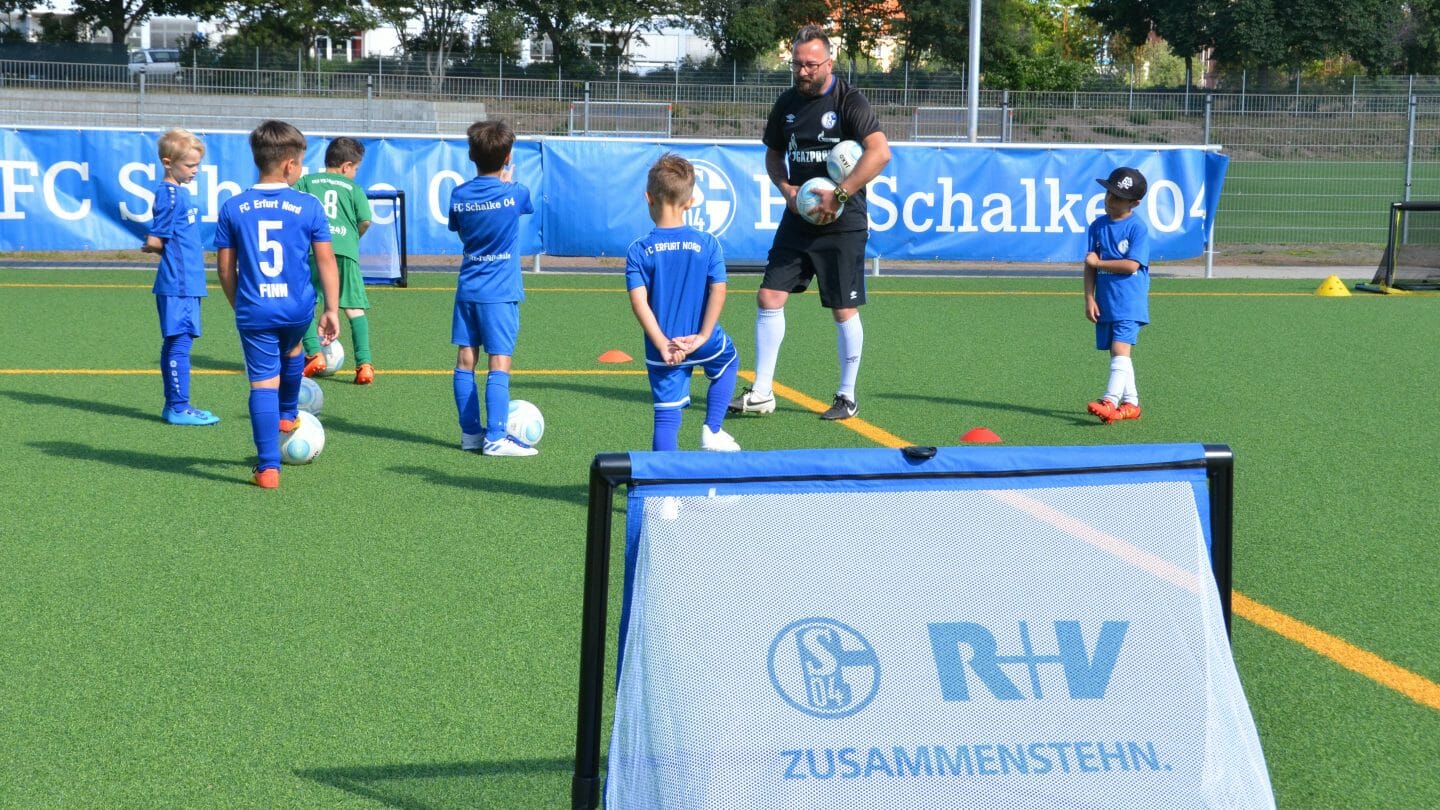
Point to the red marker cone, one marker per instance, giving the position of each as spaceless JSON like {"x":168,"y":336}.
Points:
{"x":615,"y":356}
{"x":980,"y":435}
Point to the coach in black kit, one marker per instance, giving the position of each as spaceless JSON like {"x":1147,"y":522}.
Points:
{"x":820,"y":111}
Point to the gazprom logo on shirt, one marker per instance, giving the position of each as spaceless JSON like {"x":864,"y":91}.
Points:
{"x":712,"y":206}
{"x":824,"y":668}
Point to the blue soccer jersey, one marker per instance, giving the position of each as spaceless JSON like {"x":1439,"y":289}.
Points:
{"x":182,"y":263}
{"x":486,"y":213}
{"x":271,"y":227}
{"x":1122,"y":297}
{"x":676,"y":266}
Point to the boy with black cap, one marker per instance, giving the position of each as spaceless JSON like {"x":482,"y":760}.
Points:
{"x":1117,"y":289}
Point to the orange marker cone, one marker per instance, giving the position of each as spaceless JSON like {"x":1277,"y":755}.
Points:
{"x":615,"y":356}
{"x":980,"y":435}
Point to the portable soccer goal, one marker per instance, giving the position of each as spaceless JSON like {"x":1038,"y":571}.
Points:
{"x":1036,"y":627}
{"x":383,"y":257}
{"x":1411,"y":260}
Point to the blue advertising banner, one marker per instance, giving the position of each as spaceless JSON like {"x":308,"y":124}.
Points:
{"x":92,"y":189}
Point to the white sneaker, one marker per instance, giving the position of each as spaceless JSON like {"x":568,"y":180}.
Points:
{"x":751,"y":402}
{"x":719,"y":440}
{"x":472,"y":441}
{"x":508,"y":446}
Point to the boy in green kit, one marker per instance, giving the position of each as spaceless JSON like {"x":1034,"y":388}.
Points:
{"x":348,"y":210}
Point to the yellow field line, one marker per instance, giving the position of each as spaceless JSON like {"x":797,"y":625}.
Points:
{"x":1414,"y":686}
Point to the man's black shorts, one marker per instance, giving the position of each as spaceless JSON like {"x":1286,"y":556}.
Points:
{"x":836,"y":259}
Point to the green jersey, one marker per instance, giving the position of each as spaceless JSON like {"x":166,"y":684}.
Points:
{"x":346,"y":206}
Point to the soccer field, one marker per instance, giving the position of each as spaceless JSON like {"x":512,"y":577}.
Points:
{"x":398,"y":624}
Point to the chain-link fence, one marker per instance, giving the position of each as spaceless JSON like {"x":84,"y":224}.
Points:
{"x":1308,"y":171}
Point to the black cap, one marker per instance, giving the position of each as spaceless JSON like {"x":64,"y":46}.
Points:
{"x":1125,"y":183}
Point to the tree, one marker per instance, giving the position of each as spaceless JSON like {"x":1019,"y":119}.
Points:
{"x":1249,"y":35}
{"x":861,"y":24}
{"x":120,"y":17}
{"x":293,"y":24}
{"x":563,"y":22}
{"x":940,"y":29}
{"x":11,"y":9}
{"x":1419,"y":37}
{"x":442,"y":28}
{"x":739,"y":30}
{"x":1187,"y":25}
{"x":499,"y":31}
{"x":626,"y":20}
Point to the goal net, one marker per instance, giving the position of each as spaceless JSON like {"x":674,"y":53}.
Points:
{"x":1412,"y":250}
{"x":382,"y":248}
{"x":1032,"y":627}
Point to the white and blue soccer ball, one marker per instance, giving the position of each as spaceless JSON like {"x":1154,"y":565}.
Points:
{"x":305,"y":442}
{"x":844,"y":156}
{"x":312,"y":397}
{"x":808,"y":198}
{"x":525,"y":423}
{"x":334,"y":355}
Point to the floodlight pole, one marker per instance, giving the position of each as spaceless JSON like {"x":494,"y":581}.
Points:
{"x":973,"y":91}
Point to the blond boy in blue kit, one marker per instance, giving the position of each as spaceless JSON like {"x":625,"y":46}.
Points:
{"x":180,"y":278}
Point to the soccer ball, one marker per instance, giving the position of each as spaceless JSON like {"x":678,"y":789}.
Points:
{"x":842,"y":160}
{"x":305,"y":442}
{"x":526,"y":423}
{"x":334,"y":355}
{"x":808,"y":199}
{"x":312,"y":398}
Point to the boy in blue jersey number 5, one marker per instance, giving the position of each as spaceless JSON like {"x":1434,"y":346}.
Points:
{"x":264,"y":238}
{"x":676,"y":278}
{"x":485,"y":211}
{"x":1117,"y":289}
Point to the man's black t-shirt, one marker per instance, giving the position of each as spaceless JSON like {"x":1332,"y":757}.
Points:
{"x":805,"y":128}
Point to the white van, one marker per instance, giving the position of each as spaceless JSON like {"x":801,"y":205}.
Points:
{"x":156,"y":63}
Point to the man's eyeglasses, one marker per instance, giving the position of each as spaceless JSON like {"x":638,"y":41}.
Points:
{"x":807,"y":65}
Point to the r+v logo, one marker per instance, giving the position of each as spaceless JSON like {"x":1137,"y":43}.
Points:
{"x":1087,"y":675}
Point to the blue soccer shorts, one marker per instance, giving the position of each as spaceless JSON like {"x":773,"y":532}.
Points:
{"x":179,"y":315}
{"x":264,"y":347}
{"x":1111,"y":332}
{"x":492,"y":327}
{"x":670,"y":385}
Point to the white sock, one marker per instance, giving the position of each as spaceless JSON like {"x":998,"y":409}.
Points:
{"x":769,"y":334}
{"x":1122,"y":376}
{"x":849,"y":343}
{"x":1131,"y":393}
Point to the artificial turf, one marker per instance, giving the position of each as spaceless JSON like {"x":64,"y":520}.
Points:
{"x":399,"y":623}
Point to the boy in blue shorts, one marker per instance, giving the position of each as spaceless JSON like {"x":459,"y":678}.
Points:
{"x":264,"y":237}
{"x":180,"y":279}
{"x":485,"y":211}
{"x":1117,"y":289}
{"x":676,"y":278}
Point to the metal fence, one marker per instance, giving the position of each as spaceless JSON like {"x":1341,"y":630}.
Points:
{"x":1307,"y":172}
